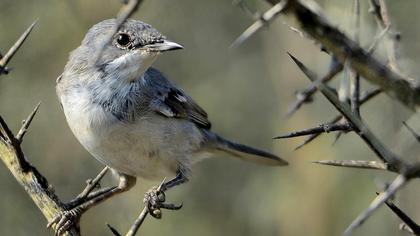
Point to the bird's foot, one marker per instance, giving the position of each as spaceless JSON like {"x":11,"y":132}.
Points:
{"x":65,"y":220}
{"x":155,"y":199}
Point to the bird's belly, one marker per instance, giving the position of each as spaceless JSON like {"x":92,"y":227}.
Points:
{"x":152,"y":147}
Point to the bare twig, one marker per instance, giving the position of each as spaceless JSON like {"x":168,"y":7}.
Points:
{"x":264,"y":20}
{"x":323,"y":128}
{"x":140,"y":219}
{"x":366,"y":97}
{"x":90,"y":186}
{"x":377,"y":39}
{"x":137,"y":223}
{"x":305,"y":96}
{"x":380,"y":11}
{"x":398,"y":183}
{"x":12,"y":51}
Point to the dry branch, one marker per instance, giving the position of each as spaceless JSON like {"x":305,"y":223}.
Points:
{"x":315,"y":24}
{"x":393,"y":163}
{"x":34,"y":183}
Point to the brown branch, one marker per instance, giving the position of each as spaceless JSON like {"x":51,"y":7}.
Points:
{"x":34,"y":183}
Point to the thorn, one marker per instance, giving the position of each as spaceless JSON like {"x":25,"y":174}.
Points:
{"x":354,"y":164}
{"x":4,"y":60}
{"x":337,"y":136}
{"x":307,"y":140}
{"x":303,"y":68}
{"x":113,"y":230}
{"x":26,"y":124}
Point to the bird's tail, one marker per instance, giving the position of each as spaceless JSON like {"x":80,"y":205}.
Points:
{"x":244,"y":152}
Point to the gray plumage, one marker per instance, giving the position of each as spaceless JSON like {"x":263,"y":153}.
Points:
{"x":129,"y":116}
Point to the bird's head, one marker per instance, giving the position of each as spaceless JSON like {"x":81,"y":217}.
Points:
{"x":131,"y":51}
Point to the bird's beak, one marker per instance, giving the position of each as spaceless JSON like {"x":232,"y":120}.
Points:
{"x":166,"y":45}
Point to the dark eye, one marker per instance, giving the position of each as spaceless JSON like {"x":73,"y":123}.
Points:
{"x":123,"y":39}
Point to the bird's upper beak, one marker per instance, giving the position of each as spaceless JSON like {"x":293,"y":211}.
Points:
{"x":166,"y":45}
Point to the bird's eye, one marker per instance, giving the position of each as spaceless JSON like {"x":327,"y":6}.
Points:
{"x":123,"y":40}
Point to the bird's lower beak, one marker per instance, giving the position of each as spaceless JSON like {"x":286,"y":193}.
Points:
{"x":164,"y":46}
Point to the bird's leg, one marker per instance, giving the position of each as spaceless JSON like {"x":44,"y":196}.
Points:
{"x":155,"y":197}
{"x":72,"y":216}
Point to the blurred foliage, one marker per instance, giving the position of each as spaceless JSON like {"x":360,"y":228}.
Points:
{"x":246,"y":93}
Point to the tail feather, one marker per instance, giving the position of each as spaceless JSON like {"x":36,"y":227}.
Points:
{"x":246,"y":153}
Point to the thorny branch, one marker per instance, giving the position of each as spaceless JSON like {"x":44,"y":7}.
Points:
{"x":390,"y":160}
{"x":313,"y":22}
{"x":366,"y":97}
{"x":390,"y":80}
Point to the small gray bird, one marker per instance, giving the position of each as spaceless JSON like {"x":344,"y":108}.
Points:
{"x":131,"y":118}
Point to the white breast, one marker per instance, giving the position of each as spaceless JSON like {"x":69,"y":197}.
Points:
{"x":152,"y":147}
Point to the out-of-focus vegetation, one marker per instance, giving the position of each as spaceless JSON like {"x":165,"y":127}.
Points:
{"x":246,"y":93}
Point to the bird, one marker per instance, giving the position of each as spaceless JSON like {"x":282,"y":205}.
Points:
{"x":133,"y":119}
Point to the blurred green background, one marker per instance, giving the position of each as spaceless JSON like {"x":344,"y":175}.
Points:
{"x":246,"y":92}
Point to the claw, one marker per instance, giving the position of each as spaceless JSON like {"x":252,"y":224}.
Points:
{"x":171,"y":206}
{"x":65,"y":220}
{"x":155,"y":201}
